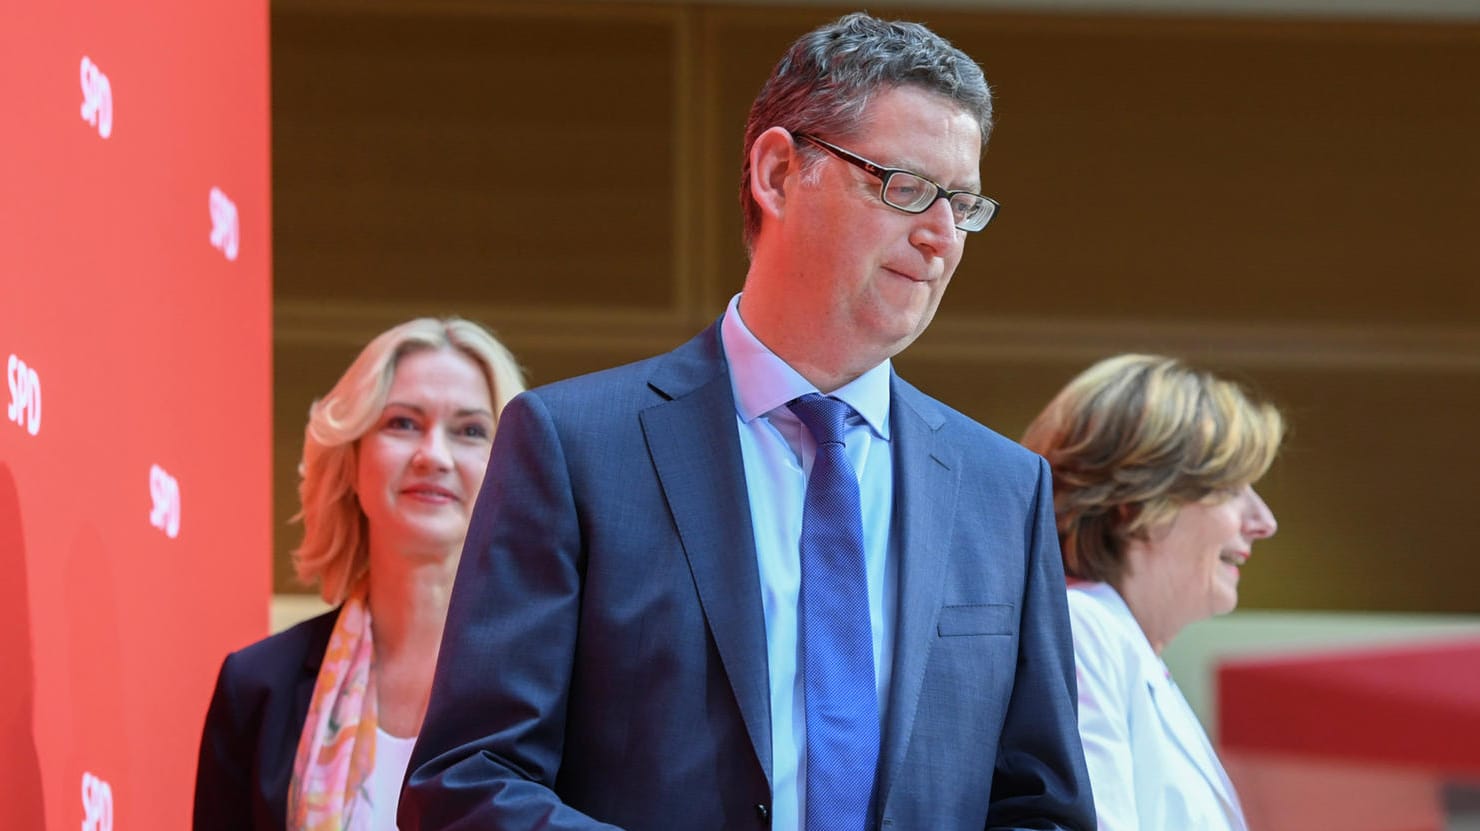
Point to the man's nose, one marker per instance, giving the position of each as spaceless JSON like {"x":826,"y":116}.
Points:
{"x":936,"y":227}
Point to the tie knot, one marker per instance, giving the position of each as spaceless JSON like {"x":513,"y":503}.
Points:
{"x":825,"y":417}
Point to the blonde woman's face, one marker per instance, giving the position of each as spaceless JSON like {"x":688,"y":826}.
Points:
{"x":421,"y":465}
{"x":1196,"y":558}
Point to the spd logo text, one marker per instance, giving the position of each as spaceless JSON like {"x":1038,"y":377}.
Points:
{"x":225,"y":230}
{"x":97,"y":98}
{"x":97,"y":804}
{"x":25,"y":395}
{"x":164,"y":493}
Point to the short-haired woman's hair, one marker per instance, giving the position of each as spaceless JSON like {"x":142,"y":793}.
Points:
{"x":825,"y":81}
{"x":1134,"y":438}
{"x":335,"y":551}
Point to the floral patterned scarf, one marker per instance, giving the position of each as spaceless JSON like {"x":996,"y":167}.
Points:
{"x":336,"y":750}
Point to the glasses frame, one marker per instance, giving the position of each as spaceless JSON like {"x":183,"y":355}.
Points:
{"x":884,"y":174}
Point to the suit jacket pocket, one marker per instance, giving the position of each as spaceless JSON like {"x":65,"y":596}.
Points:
{"x":979,"y":619}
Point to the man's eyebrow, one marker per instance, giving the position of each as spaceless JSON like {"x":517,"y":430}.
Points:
{"x":974,"y":183}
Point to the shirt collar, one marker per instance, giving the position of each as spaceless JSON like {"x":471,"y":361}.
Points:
{"x":762,"y":381}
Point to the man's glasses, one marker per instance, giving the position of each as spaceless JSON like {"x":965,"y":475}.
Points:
{"x":913,"y":193}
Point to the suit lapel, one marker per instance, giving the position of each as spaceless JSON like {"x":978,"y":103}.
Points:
{"x":926,"y":478}
{"x":696,"y":452}
{"x":1181,"y":724}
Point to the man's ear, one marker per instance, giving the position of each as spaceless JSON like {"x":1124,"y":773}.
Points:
{"x":773,"y":158}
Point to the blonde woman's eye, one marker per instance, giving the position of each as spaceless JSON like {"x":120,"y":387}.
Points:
{"x":475,"y":431}
{"x":400,"y":423}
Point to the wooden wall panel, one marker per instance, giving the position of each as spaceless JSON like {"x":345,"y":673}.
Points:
{"x":1375,"y":490}
{"x":1230,"y":171}
{"x":1286,"y":200}
{"x":474,"y":157}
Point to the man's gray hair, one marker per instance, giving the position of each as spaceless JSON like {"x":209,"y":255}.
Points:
{"x":824,"y":83}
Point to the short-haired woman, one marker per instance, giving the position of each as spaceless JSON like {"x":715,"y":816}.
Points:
{"x":1154,"y":465}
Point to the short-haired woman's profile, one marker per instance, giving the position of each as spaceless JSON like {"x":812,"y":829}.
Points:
{"x":1154,"y":465}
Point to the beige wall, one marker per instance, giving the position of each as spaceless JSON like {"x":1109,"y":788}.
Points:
{"x":1289,"y":201}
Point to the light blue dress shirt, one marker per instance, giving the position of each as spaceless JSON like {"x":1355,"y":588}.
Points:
{"x":777,"y":450}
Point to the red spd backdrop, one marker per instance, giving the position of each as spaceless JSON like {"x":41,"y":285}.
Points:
{"x":135,"y":434}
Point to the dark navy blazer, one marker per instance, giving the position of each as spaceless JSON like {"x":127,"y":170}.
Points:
{"x":252,"y":729}
{"x":604,"y":662}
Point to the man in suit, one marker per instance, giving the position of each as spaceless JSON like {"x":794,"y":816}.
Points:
{"x":675,"y":611}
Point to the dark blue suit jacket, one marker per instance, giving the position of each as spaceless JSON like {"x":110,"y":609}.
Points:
{"x":252,"y":729}
{"x":604,"y":662}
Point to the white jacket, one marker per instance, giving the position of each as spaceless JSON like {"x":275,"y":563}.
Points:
{"x":1150,"y":763}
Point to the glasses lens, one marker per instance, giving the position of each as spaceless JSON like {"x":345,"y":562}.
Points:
{"x":972,"y":212}
{"x":908,"y":192}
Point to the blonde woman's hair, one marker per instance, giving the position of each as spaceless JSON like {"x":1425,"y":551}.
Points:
{"x":1136,"y":437}
{"x":335,"y":552}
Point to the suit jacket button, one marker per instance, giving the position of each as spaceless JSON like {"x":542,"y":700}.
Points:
{"x":764,"y":812}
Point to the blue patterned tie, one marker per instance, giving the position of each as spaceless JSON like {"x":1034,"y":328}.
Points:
{"x":836,"y":637}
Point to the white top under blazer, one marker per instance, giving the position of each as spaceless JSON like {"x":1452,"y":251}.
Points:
{"x":1150,"y":763}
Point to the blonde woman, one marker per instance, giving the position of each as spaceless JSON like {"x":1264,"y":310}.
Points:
{"x":312,"y":727}
{"x":1154,"y":465}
